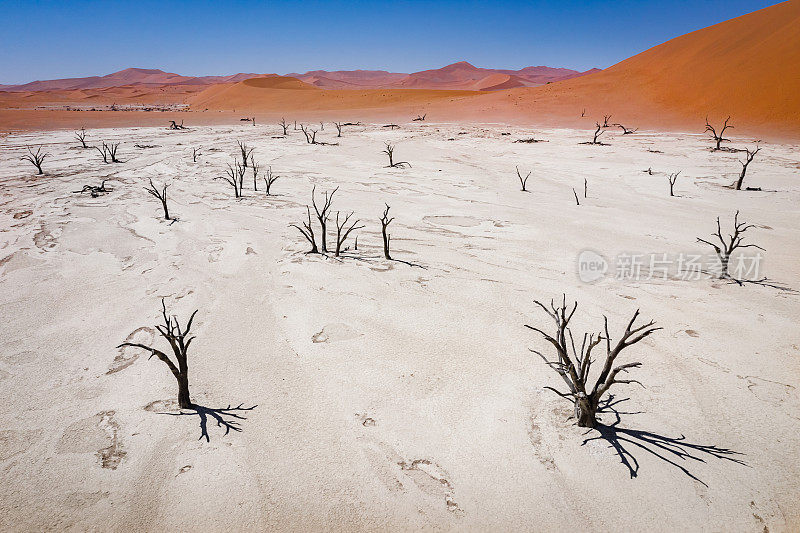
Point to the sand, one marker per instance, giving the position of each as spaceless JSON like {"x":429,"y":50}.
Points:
{"x":378,"y":395}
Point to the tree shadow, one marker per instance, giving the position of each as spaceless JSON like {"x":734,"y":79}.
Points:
{"x":668,"y":449}
{"x":227,"y":417}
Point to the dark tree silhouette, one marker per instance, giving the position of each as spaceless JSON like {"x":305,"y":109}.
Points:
{"x":343,"y":230}
{"x":285,"y":126}
{"x":161,"y":195}
{"x":727,"y":245}
{"x":81,"y":136}
{"x":307,"y":230}
{"x":385,"y":221}
{"x":35,"y":158}
{"x":234,"y":178}
{"x":718,"y":137}
{"x":390,"y":151}
{"x":322,"y":215}
{"x":574,"y":365}
{"x":195,"y":153}
{"x":523,"y":181}
{"x":745,"y":163}
{"x":672,"y":179}
{"x":246,"y":152}
{"x":626,"y":131}
{"x":269,"y":179}
{"x":179,"y":341}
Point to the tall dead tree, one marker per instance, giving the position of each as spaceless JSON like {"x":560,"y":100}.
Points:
{"x":269,"y":179}
{"x":322,"y":215}
{"x":195,"y":153}
{"x":81,"y":136}
{"x":626,"y":131}
{"x":307,"y":229}
{"x":390,"y":151}
{"x":161,"y":195}
{"x":727,"y":245}
{"x":234,"y":177}
{"x":338,"y":128}
{"x":343,"y":230}
{"x":597,"y":133}
{"x":35,"y":158}
{"x":109,"y":152}
{"x":311,"y":135}
{"x":179,"y":341}
{"x":575,"y":365}
{"x":745,"y":163}
{"x":718,"y":137}
{"x":285,"y":126}
{"x":385,"y":221}
{"x":672,"y":179}
{"x":523,"y":181}
{"x":605,"y":121}
{"x":255,"y":167}
{"x":246,"y":152}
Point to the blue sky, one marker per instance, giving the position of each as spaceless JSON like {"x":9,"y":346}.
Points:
{"x":51,"y":39}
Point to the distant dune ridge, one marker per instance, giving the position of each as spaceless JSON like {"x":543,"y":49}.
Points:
{"x":747,"y":67}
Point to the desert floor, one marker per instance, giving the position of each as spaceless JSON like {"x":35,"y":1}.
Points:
{"x":367,"y":394}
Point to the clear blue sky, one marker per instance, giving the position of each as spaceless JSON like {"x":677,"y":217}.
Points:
{"x":52,"y":39}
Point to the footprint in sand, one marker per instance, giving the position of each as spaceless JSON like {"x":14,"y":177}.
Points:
{"x":769,"y":391}
{"x":334,"y":333}
{"x":127,"y":355}
{"x":399,"y":475}
{"x":98,"y":434}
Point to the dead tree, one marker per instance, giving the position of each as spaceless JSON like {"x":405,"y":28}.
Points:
{"x":523,"y":181}
{"x":311,"y":135}
{"x":234,"y":178}
{"x":718,"y":137}
{"x":419,"y":118}
{"x":269,"y":179}
{"x":672,"y":179}
{"x":343,"y":231}
{"x":390,"y":151}
{"x":109,"y":152}
{"x":578,"y":202}
{"x":246,"y":152}
{"x":174,"y":126}
{"x":322,"y":126}
{"x":597,"y":133}
{"x":285,"y":126}
{"x":583,"y":113}
{"x":605,"y":121}
{"x":94,"y":190}
{"x":161,"y":195}
{"x":575,"y":365}
{"x":179,"y":341}
{"x":35,"y":158}
{"x":585,"y":187}
{"x":307,"y":230}
{"x":750,"y":156}
{"x":81,"y":136}
{"x":728,"y":245}
{"x":322,"y":215}
{"x":255,"y":167}
{"x":338,"y":128}
{"x":385,"y":221}
{"x":626,"y":131}
{"x":195,"y":153}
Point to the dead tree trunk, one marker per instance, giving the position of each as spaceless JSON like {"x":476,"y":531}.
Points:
{"x":322,"y":215}
{"x":81,"y":136}
{"x":573,"y":366}
{"x":285,"y":126}
{"x":195,"y":153}
{"x":343,"y":231}
{"x":750,"y":156}
{"x":626,"y":131}
{"x":162,"y":196}
{"x":583,"y":113}
{"x":390,"y":151}
{"x":35,"y":158}
{"x":672,"y":179}
{"x":523,"y":181}
{"x":385,"y":221}
{"x":605,"y":121}
{"x":338,"y":128}
{"x":246,"y":152}
{"x":234,"y":178}
{"x":255,"y":168}
{"x":578,"y":202}
{"x":269,"y":179}
{"x":597,"y":133}
{"x":718,"y":137}
{"x":728,"y":245}
{"x":307,"y":230}
{"x":179,"y":341}
{"x":420,"y":118}
{"x":109,"y":152}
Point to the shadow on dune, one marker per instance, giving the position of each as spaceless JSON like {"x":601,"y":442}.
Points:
{"x":676,"y":451}
{"x":228,"y":417}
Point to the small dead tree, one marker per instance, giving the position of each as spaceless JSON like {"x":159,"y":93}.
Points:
{"x":718,"y":137}
{"x":523,"y":181}
{"x":81,"y":136}
{"x":269,"y":179}
{"x":94,"y":190}
{"x":195,"y":153}
{"x":390,"y":151}
{"x":179,"y":341}
{"x":626,"y":131}
{"x":343,"y":231}
{"x":35,"y":158}
{"x":574,"y":365}
{"x":246,"y":152}
{"x":419,"y":118}
{"x":583,"y":113}
{"x":109,"y":152}
{"x":161,"y":195}
{"x":322,"y":215}
{"x":745,"y":163}
{"x":730,"y":244}
{"x":307,"y":230}
{"x":578,"y":202}
{"x":605,"y":121}
{"x":338,"y":128}
{"x":385,"y":221}
{"x":255,"y":167}
{"x":585,"y":187}
{"x":234,"y":177}
{"x":597,"y":133}
{"x":672,"y":179}
{"x":174,"y":126}
{"x":285,"y":126}
{"x":311,"y":135}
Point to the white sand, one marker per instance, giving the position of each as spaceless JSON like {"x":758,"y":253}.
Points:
{"x":419,"y":406}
